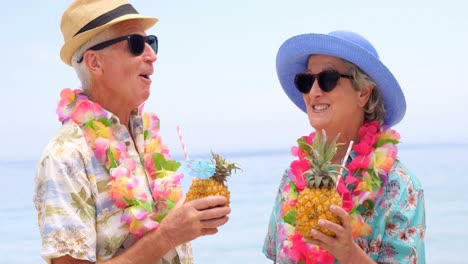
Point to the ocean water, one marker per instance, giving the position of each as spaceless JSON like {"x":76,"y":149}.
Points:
{"x":440,"y":168}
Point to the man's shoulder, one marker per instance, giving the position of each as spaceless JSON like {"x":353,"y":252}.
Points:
{"x":67,"y":140}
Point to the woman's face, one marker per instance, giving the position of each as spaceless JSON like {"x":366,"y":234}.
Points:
{"x":342,"y":109}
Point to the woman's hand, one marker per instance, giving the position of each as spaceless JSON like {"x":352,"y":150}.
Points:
{"x":342,"y":245}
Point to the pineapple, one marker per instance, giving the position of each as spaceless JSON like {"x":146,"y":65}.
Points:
{"x":320,"y":193}
{"x":214,"y":185}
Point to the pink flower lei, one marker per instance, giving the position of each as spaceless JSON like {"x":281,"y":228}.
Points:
{"x":375,"y":155}
{"x":140,"y":215}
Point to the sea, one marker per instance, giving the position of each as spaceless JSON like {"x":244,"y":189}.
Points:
{"x":440,"y":168}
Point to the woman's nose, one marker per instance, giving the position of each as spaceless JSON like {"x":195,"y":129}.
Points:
{"x":315,"y":90}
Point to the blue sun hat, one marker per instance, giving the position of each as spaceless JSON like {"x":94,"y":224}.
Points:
{"x":292,"y":59}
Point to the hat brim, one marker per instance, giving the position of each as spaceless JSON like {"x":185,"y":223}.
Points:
{"x":69,"y":47}
{"x":292,"y":59}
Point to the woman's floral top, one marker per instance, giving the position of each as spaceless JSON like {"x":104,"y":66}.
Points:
{"x":75,"y":213}
{"x":398,"y":222}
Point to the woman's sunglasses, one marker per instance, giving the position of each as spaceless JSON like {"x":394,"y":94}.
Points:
{"x":136,"y":44}
{"x":327,"y":80}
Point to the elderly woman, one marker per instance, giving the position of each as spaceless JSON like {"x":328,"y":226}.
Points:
{"x":340,"y":82}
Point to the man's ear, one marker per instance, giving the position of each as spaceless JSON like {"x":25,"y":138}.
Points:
{"x":364,"y":95}
{"x":91,"y":59}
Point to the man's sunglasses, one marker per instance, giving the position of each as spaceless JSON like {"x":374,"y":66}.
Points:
{"x":327,"y":80}
{"x":136,"y":44}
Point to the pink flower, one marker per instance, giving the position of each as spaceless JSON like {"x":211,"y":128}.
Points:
{"x":118,"y":151}
{"x":138,"y":221}
{"x":149,"y":164}
{"x":322,"y":256}
{"x":124,"y":189}
{"x":64,"y":110}
{"x":310,"y":138}
{"x":284,"y":231}
{"x":384,"y":157}
{"x":367,"y":135}
{"x":86,"y":111}
{"x":345,"y":194}
{"x":389,"y":134}
{"x":167,"y":187}
{"x":119,"y":172}
{"x":301,"y":251}
{"x":359,"y":162}
{"x":362,"y":148}
{"x":287,"y":206}
{"x":151,"y":124}
{"x":117,"y":191}
{"x":359,"y":227}
{"x":298,"y":168}
{"x":101,"y":147}
{"x":299,"y":248}
{"x":296,"y":151}
{"x":369,"y":128}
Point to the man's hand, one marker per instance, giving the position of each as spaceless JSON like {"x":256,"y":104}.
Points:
{"x":199,"y":217}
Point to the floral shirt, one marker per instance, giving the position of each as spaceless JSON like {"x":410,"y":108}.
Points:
{"x":75,"y":213}
{"x":397,"y":221}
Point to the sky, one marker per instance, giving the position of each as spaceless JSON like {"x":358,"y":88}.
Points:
{"x":215,"y":76}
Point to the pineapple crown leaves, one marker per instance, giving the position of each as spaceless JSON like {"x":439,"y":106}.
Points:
{"x":223,"y":168}
{"x":322,"y":172}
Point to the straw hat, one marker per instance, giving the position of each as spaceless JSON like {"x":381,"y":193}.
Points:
{"x":294,"y":52}
{"x":85,"y":18}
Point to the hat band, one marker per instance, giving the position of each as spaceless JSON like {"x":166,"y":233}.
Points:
{"x":109,"y":16}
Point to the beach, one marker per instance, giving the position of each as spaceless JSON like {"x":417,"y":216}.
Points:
{"x":252,"y":193}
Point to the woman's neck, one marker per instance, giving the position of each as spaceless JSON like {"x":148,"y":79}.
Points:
{"x":351,"y":133}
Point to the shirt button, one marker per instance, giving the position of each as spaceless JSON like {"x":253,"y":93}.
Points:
{"x":127,"y":143}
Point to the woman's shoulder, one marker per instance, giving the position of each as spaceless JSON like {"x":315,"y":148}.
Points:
{"x":404,"y":176}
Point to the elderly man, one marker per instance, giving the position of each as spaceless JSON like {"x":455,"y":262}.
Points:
{"x":106,"y":188}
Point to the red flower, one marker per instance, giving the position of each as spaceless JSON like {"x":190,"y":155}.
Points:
{"x":298,"y":167}
{"x":359,"y":162}
{"x":367,"y":135}
{"x":310,"y":138}
{"x":348,"y":203}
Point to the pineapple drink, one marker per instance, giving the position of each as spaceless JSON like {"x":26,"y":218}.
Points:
{"x":320,"y":193}
{"x":215,"y":182}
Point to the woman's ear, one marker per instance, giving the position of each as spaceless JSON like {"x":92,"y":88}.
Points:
{"x":364,"y":95}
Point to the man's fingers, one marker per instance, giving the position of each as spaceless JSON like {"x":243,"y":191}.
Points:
{"x":214,"y":223}
{"x":209,"y":231}
{"x":209,"y":202}
{"x":180,"y":202}
{"x":214,"y":213}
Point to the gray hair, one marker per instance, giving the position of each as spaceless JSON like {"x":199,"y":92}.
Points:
{"x":80,"y":68}
{"x":374,"y":109}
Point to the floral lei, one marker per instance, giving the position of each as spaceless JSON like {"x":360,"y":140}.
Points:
{"x":140,"y":215}
{"x":375,"y":155}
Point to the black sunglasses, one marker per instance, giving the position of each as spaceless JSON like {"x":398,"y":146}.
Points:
{"x":327,"y":80}
{"x":136,"y":44}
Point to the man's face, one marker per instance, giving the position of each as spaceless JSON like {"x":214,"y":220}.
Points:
{"x":125,"y":76}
